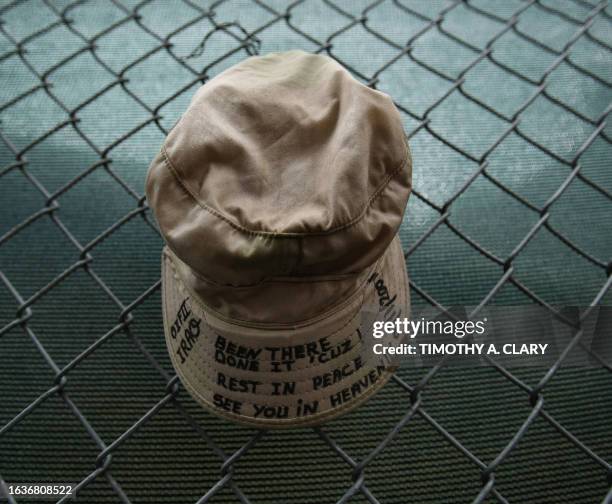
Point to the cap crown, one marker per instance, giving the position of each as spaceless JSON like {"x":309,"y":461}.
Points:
{"x":282,"y":166}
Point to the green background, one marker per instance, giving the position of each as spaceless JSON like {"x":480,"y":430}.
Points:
{"x":168,"y":460}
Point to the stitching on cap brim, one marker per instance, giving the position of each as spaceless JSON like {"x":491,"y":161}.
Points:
{"x":358,"y":291}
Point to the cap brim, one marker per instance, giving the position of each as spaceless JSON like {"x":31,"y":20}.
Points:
{"x":281,"y":377}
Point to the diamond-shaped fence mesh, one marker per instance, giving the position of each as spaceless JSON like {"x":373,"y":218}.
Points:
{"x":506,"y":105}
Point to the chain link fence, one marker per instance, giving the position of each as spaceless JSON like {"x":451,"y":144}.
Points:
{"x":506,"y":106}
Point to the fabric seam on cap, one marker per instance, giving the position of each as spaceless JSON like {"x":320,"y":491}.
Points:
{"x":303,"y":323}
{"x":274,"y":234}
{"x":205,"y":310}
{"x":284,"y":279}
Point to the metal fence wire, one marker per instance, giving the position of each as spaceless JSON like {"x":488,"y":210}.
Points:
{"x":506,"y":106}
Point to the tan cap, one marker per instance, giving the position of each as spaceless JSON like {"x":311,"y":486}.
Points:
{"x":279,"y":194}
